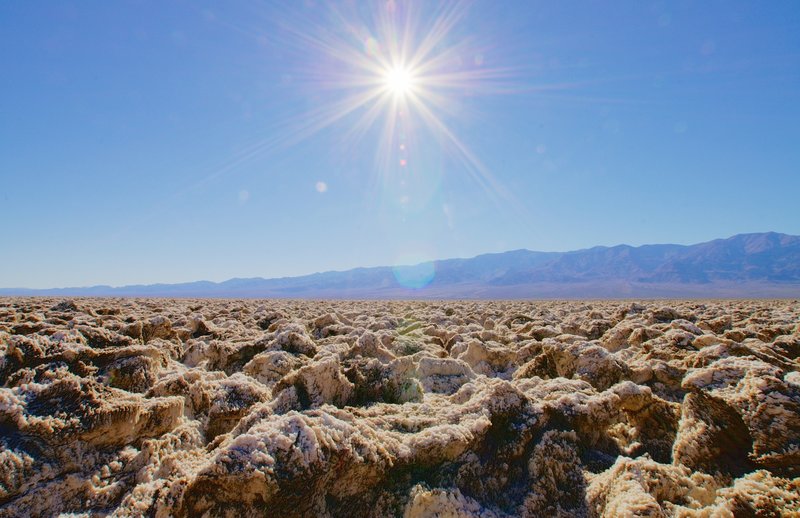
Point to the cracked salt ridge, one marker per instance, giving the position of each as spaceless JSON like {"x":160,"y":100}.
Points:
{"x":260,"y":408}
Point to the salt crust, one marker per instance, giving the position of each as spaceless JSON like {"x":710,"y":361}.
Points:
{"x":492,"y":409}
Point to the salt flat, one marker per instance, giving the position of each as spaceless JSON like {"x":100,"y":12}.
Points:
{"x":164,"y":407}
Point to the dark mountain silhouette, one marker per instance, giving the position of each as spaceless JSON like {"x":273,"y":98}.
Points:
{"x":745,"y":265}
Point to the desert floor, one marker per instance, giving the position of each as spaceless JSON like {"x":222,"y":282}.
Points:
{"x":385,"y":408}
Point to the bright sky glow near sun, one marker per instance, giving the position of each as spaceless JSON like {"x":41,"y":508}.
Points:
{"x":146,"y":141}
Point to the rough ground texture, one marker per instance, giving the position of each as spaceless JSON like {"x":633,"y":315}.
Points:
{"x":289,"y":408}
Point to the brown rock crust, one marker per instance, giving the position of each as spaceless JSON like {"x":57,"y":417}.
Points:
{"x":140,"y":407}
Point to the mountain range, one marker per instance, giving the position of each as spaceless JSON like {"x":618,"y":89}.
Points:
{"x":742,"y":266}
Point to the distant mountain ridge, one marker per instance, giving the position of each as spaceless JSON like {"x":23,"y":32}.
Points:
{"x":742,"y":266}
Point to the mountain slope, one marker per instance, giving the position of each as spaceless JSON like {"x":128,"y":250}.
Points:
{"x":745,"y":265}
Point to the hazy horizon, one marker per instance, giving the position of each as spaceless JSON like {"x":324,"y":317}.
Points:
{"x":164,"y":143}
{"x":357,"y":266}
{"x":753,"y":265}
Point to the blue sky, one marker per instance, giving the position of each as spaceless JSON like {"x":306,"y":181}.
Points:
{"x":159,"y":141}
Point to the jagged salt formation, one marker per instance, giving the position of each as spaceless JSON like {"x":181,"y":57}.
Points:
{"x":291,"y":408}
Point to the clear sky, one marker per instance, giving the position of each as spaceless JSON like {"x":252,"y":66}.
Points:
{"x":168,"y":141}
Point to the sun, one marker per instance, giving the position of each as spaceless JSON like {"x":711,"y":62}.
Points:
{"x":400,"y":73}
{"x":399,"y":80}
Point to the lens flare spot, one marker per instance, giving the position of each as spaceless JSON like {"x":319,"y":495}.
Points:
{"x":371,"y":47}
{"x":415,"y":276}
{"x":321,"y":187}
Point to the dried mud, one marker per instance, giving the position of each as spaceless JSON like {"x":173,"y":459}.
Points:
{"x":299,"y":408}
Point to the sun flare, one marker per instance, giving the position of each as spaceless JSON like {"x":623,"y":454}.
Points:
{"x":399,"y":80}
{"x":400,"y":73}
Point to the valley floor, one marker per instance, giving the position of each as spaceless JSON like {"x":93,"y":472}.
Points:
{"x":159,"y":407}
